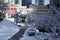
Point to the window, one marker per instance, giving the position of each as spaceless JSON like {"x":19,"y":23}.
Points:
{"x":41,"y":2}
{"x":10,"y":1}
{"x":16,"y":1}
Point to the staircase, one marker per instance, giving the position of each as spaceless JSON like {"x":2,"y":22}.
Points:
{"x":35,"y":9}
{"x":40,"y":9}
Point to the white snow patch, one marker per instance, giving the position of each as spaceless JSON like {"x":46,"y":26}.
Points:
{"x":7,"y":29}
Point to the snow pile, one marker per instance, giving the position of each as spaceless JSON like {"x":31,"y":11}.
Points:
{"x":7,"y":29}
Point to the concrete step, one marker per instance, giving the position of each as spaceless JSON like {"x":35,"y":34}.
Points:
{"x":41,"y":10}
{"x":36,"y":9}
{"x":42,"y":13}
{"x":39,"y":7}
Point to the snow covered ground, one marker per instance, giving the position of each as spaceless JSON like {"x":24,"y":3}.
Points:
{"x":7,"y":29}
{"x":38,"y":36}
{"x":10,"y":19}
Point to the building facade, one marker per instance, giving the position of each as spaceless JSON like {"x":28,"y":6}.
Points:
{"x":24,"y":2}
{"x":35,"y":2}
{"x":41,"y":2}
{"x":55,"y":3}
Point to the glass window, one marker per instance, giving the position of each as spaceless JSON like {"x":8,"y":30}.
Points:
{"x":16,"y":1}
{"x":10,"y":1}
{"x":41,"y":2}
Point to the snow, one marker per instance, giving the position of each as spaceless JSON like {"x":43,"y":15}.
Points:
{"x":10,"y":19}
{"x":40,"y":36}
{"x":7,"y":29}
{"x":26,"y":37}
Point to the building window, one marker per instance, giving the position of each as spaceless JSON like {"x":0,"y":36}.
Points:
{"x":24,"y":2}
{"x":16,"y":1}
{"x":10,"y":1}
{"x":41,"y":2}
